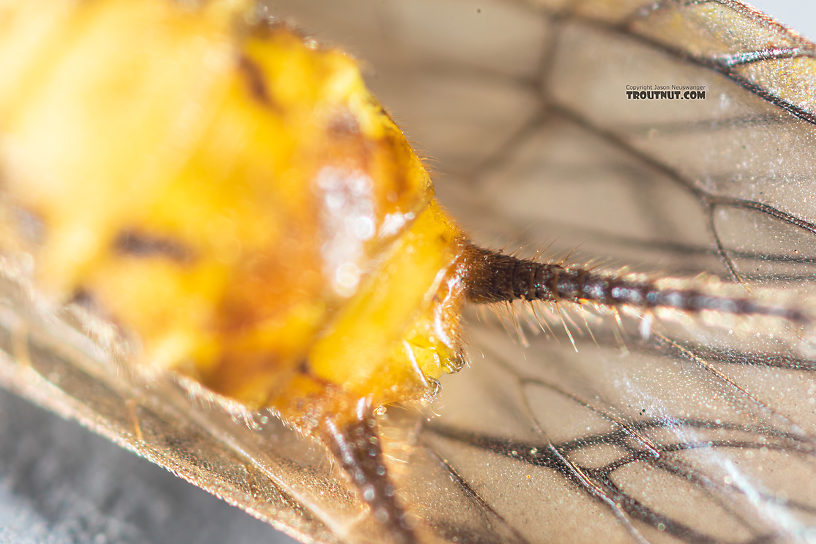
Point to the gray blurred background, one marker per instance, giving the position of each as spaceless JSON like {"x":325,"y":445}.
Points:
{"x":60,"y":484}
{"x":799,"y":15}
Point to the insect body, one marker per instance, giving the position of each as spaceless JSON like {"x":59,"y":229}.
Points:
{"x":299,"y":197}
{"x":247,"y":298}
{"x":233,"y":197}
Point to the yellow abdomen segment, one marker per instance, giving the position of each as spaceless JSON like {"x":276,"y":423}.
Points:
{"x":230,"y":194}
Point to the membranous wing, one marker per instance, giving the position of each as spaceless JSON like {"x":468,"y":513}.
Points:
{"x":696,"y":429}
{"x":700,"y":430}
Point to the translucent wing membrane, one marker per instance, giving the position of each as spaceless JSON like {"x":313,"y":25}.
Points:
{"x":48,"y":357}
{"x":693,"y":429}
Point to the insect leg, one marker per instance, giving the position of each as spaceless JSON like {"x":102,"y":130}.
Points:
{"x":356,"y":446}
{"x":496,"y":277}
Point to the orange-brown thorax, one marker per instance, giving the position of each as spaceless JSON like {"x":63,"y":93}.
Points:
{"x":234,"y":196}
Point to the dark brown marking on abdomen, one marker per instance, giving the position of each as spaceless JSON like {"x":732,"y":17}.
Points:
{"x":255,"y":82}
{"x":138,"y":244}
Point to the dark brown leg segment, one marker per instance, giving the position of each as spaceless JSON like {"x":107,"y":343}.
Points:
{"x":495,"y":277}
{"x":357,"y":447}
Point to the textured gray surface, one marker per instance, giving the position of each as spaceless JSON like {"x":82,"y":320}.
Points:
{"x":61,"y":484}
